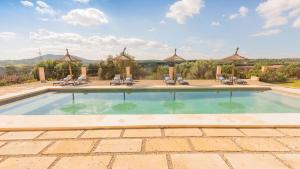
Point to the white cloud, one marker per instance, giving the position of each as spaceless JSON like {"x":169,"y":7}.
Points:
{"x":278,"y":12}
{"x":27,"y":3}
{"x":82,"y":1}
{"x":162,"y":22}
{"x":44,"y":8}
{"x":48,"y":37}
{"x":243,"y":11}
{"x":296,"y":24}
{"x":211,"y":45}
{"x":85,"y":17}
{"x":151,"y":29}
{"x":7,"y":35}
{"x":215,"y":23}
{"x":44,"y":19}
{"x":267,"y":33}
{"x":184,"y":8}
{"x":95,"y":46}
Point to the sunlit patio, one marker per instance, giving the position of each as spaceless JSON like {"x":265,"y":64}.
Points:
{"x":159,"y":148}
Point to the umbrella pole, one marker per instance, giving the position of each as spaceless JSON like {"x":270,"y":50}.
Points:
{"x":70,"y":70}
{"x":233,"y":65}
{"x":232,"y":73}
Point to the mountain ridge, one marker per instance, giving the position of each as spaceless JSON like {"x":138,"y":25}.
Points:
{"x":35,"y":60}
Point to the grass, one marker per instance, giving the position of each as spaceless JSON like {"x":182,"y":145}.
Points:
{"x":291,"y":83}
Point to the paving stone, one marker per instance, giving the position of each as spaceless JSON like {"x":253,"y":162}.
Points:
{"x":142,"y":133}
{"x":2,"y":143}
{"x":24,"y":147}
{"x":293,"y":143}
{"x":183,"y":132}
{"x":101,"y":133}
{"x":119,"y":145}
{"x":167,"y":144}
{"x":214,"y":144}
{"x":292,"y":160}
{"x":70,"y":146}
{"x":261,"y":132}
{"x":60,"y":134}
{"x":198,"y":161}
{"x":254,"y":161}
{"x":83,"y":162}
{"x":222,"y":132}
{"x":140,"y":162}
{"x":260,"y":144}
{"x":27,"y":163}
{"x":290,"y":131}
{"x":18,"y":135}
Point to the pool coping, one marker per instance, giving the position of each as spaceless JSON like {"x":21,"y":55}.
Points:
{"x":68,"y":122}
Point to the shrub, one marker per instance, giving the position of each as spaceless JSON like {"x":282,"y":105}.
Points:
{"x":273,"y":76}
{"x":203,"y":69}
{"x":56,"y":70}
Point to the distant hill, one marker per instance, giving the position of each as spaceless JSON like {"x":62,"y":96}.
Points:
{"x":35,"y":60}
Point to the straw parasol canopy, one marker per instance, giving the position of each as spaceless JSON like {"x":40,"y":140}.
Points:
{"x":123,"y":56}
{"x":175,"y":58}
{"x":69,"y":59}
{"x":234,"y":57}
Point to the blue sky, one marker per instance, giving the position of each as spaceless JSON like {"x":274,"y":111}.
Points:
{"x":150,"y":29}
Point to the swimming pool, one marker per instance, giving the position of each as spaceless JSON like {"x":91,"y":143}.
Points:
{"x":171,"y":101}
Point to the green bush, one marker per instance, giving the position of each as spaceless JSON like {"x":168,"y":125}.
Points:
{"x":292,"y":70}
{"x":57,"y":70}
{"x":16,"y":79}
{"x":273,"y":76}
{"x":109,"y":68}
{"x":203,"y":69}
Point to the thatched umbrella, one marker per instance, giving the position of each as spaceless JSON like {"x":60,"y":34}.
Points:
{"x":123,"y":57}
{"x":233,"y":59}
{"x":69,"y":59}
{"x":175,"y":59}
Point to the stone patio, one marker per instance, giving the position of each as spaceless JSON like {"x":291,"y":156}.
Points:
{"x":163,"y":148}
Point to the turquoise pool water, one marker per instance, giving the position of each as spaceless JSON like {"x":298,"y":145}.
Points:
{"x":153,"y":102}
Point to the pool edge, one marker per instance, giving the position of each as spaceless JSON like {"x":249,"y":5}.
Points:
{"x":73,"y":122}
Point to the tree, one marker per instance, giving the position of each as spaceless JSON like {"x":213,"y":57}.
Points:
{"x":57,"y":70}
{"x":203,"y":69}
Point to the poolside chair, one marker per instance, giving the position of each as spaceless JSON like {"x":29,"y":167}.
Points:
{"x":225,"y":81}
{"x":65,"y":81}
{"x":116,"y":80}
{"x":220,"y":78}
{"x":128,"y":81}
{"x":241,"y":81}
{"x":181,"y":81}
{"x":169,"y":81}
{"x":80,"y":80}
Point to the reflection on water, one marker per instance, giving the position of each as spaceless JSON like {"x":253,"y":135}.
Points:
{"x":231,"y":105}
{"x":124,"y":107}
{"x":173,"y":106}
{"x":73,"y":108}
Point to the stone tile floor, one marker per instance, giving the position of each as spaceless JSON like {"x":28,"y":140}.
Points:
{"x":165,"y":148}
